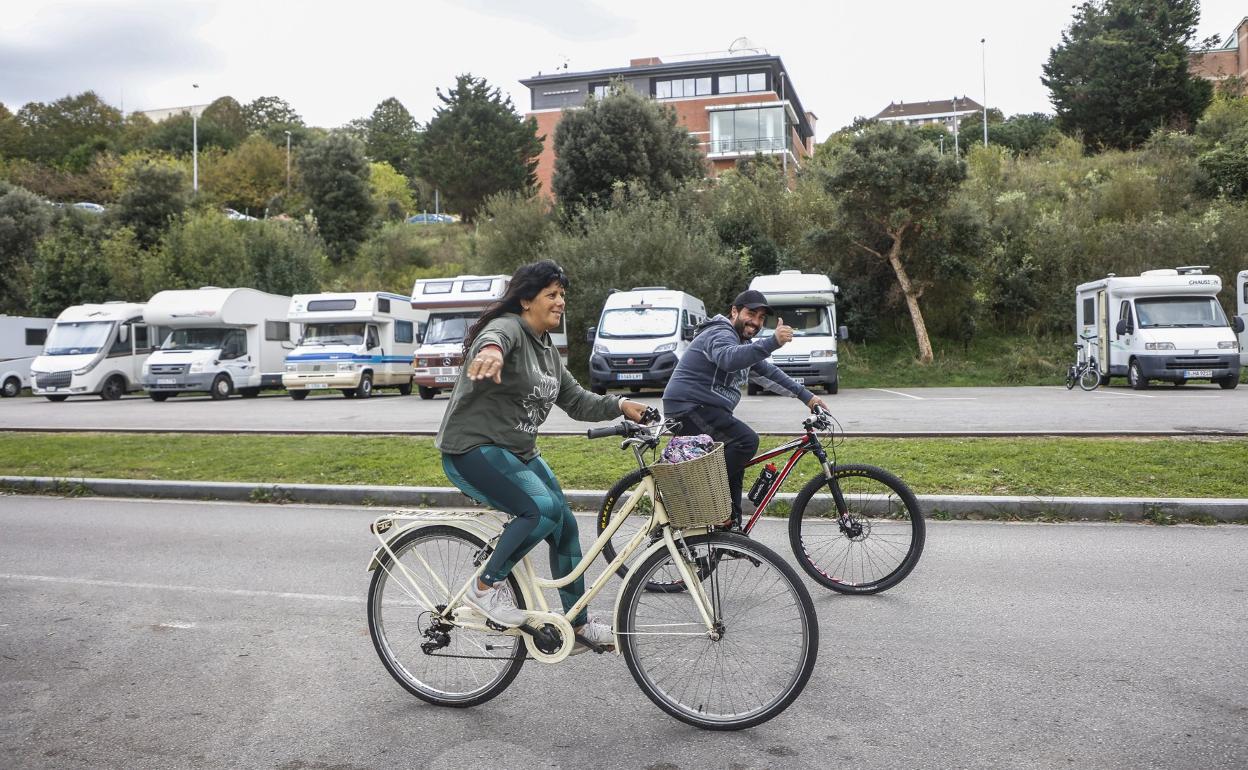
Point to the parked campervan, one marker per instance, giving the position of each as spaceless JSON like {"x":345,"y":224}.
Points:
{"x":354,"y":342}
{"x":454,"y":304}
{"x":1159,"y":325}
{"x":806,"y":302}
{"x":640,"y":336}
{"x":218,"y":341}
{"x":1241,"y":309}
{"x":94,"y":350}
{"x":21,"y":339}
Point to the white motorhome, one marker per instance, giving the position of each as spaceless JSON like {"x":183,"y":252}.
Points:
{"x":454,"y":305}
{"x":807,"y":302}
{"x":21,"y":339}
{"x":354,"y":342}
{"x":96,"y":349}
{"x":219,"y":341}
{"x":1159,"y":325}
{"x":1241,"y":309}
{"x":640,"y":337}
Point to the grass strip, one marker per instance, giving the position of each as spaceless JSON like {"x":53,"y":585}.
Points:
{"x":1096,"y":467}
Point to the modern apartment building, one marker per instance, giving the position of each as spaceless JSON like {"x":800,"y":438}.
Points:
{"x":734,"y":105}
{"x":944,"y":113}
{"x":1226,"y":61}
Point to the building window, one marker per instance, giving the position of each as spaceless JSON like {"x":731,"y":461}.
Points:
{"x":743,"y":83}
{"x":748,"y":131}
{"x":679,"y":89}
{"x":403,"y":331}
{"x":600,"y":90}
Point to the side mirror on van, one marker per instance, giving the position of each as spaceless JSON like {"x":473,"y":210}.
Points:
{"x":842,"y":333}
{"x":1123,"y":327}
{"x":688,"y":333}
{"x":123,"y":333}
{"x":590,"y":333}
{"x":1237,"y":323}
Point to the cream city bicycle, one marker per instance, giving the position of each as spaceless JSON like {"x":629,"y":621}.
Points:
{"x":730,"y":654}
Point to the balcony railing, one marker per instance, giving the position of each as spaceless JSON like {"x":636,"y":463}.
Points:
{"x":745,"y":146}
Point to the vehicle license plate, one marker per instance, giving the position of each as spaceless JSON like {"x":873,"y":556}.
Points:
{"x":799,"y":380}
{"x":444,"y":379}
{"x":628,"y":375}
{"x":317,"y":385}
{"x":166,"y":381}
{"x":52,"y":389}
{"x":1198,"y":373}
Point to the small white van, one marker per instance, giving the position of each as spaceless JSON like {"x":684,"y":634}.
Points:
{"x":96,"y":349}
{"x":21,"y":339}
{"x":640,"y":337}
{"x":219,"y":341}
{"x":1160,"y":325}
{"x":454,"y":305}
{"x":353,"y":341}
{"x":1241,"y":309}
{"x":807,"y":302}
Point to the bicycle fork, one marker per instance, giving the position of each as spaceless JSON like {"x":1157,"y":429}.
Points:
{"x":848,"y":524}
{"x":686,"y":562}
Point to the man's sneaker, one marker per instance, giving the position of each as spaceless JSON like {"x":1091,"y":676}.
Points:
{"x":496,"y":603}
{"x":595,"y":632}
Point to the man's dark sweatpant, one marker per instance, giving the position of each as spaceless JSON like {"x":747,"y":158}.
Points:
{"x":740,"y":443}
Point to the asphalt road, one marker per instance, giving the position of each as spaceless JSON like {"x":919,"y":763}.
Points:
{"x":154,"y":635}
{"x":1190,"y":409}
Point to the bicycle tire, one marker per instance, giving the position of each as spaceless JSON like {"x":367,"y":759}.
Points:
{"x":610,"y":504}
{"x":883,"y":542}
{"x":1090,"y":378}
{"x":1070,"y":378}
{"x":500,"y":669}
{"x":760,"y":634}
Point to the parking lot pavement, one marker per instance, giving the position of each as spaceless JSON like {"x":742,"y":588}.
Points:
{"x":891,"y":411}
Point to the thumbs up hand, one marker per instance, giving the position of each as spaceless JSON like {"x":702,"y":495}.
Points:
{"x":784,"y":332}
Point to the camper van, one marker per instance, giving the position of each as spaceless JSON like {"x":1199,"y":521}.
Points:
{"x":354,"y":342}
{"x":454,"y":304}
{"x":806,"y":302}
{"x":94,"y":350}
{"x":218,"y":341}
{"x":1159,"y":325}
{"x":1241,"y":310}
{"x":640,"y":336}
{"x":21,"y":339}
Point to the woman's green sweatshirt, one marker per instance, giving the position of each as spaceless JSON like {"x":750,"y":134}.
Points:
{"x":508,"y":414}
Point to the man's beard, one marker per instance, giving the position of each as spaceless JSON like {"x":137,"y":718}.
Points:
{"x":739,"y":325}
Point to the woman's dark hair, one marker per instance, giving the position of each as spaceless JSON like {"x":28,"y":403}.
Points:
{"x":526,"y":283}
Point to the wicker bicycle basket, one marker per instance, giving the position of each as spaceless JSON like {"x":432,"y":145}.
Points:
{"x":695,"y":492}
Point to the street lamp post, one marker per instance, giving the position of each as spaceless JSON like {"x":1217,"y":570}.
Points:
{"x":983,"y":66}
{"x":288,"y":164}
{"x":955,"y":127}
{"x":194,"y":145}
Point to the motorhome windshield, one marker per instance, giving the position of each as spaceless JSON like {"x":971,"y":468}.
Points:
{"x":806,"y":320}
{"x":195,"y":339}
{"x":77,"y":338}
{"x":1170,"y":312}
{"x":637,"y":322}
{"x":449,"y":328}
{"x":333,"y":334}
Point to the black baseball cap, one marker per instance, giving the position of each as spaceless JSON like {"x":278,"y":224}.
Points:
{"x":752,"y":299}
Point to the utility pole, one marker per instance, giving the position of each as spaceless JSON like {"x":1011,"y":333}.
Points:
{"x":955,"y":127}
{"x":195,"y":144}
{"x":983,"y":66}
{"x":288,"y":164}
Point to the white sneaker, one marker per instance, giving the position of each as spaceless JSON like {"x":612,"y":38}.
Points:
{"x":596,"y":632}
{"x":496,"y":603}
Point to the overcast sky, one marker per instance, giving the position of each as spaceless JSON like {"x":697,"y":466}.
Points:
{"x":335,"y":61}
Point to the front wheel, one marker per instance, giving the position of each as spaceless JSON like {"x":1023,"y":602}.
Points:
{"x":56,"y":399}
{"x":1230,"y":382}
{"x":221,"y":388}
{"x":639,"y":516}
{"x":869,"y":549}
{"x":1135,"y":376}
{"x":114,"y":388}
{"x":12,"y":387}
{"x":158,"y":397}
{"x":405,"y":389}
{"x":755,"y":661}
{"x":1090,"y":378}
{"x":426,"y":394}
{"x":833,"y":387}
{"x":365,"y":390}
{"x":439,"y":662}
{"x":297,"y":395}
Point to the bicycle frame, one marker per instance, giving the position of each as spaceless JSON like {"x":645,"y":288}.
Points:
{"x":487,"y":524}
{"x":807,"y":444}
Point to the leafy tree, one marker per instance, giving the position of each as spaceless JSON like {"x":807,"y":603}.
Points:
{"x":476,"y":146}
{"x":272,"y":117}
{"x":1121,"y":71}
{"x":178,"y":134}
{"x":282,"y":258}
{"x":68,"y":269}
{"x":392,"y":198}
{"x":128,"y":264}
{"x":1226,"y":167}
{"x":154,"y":194}
{"x":622,"y":138}
{"x":514,"y":230}
{"x":23,"y":219}
{"x":248,"y":178}
{"x":203,"y":249}
{"x":335,"y":179}
{"x":391,"y":136}
{"x":52,"y":131}
{"x":12,"y":133}
{"x":889,"y":186}
{"x":226,"y":115}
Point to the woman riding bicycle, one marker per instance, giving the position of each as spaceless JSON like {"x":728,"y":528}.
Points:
{"x":488,"y":437}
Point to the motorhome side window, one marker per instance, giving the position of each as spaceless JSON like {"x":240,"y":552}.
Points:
{"x":372,"y":340}
{"x":383,"y":305}
{"x":278,"y":331}
{"x":36,"y":337}
{"x":141,"y":342}
{"x":120,"y":348}
{"x":1089,"y":312}
{"x":404,"y":332}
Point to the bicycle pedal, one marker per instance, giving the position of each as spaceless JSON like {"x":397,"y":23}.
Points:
{"x":599,"y":649}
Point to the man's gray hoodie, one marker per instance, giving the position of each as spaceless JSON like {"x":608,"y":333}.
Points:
{"x":717,"y":364}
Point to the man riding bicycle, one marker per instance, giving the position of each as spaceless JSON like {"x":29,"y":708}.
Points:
{"x":706,"y":386}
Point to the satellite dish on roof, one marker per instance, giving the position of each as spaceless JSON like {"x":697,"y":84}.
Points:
{"x":743,"y":45}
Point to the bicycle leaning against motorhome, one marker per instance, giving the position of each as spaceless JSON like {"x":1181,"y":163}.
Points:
{"x":856,"y":529}
{"x":732,"y":653}
{"x":1084,"y":370}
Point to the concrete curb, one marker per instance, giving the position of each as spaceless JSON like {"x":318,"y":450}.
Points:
{"x":951,"y":506}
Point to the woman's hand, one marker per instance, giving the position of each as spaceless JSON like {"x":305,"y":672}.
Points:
{"x":487,"y":363}
{"x":632,"y":410}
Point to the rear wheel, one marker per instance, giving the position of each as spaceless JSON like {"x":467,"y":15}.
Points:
{"x":11,"y":387}
{"x":366,"y":386}
{"x":760,"y":654}
{"x":426,"y":394}
{"x":1135,"y":376}
{"x":248,"y":392}
{"x":297,"y":395}
{"x":873,"y":547}
{"x":405,"y":389}
{"x":348,"y":392}
{"x":221,"y":388}
{"x":56,"y":398}
{"x":1070,"y":378}
{"x":114,"y":388}
{"x":832,"y":387}
{"x":1229,"y":383}
{"x":438,"y":662}
{"x":158,"y":396}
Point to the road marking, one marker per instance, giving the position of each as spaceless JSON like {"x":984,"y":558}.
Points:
{"x":898,"y":393}
{"x":184,"y":589}
{"x":1128,"y":395}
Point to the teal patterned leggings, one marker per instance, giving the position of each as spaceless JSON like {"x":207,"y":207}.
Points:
{"x":530,"y":493}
